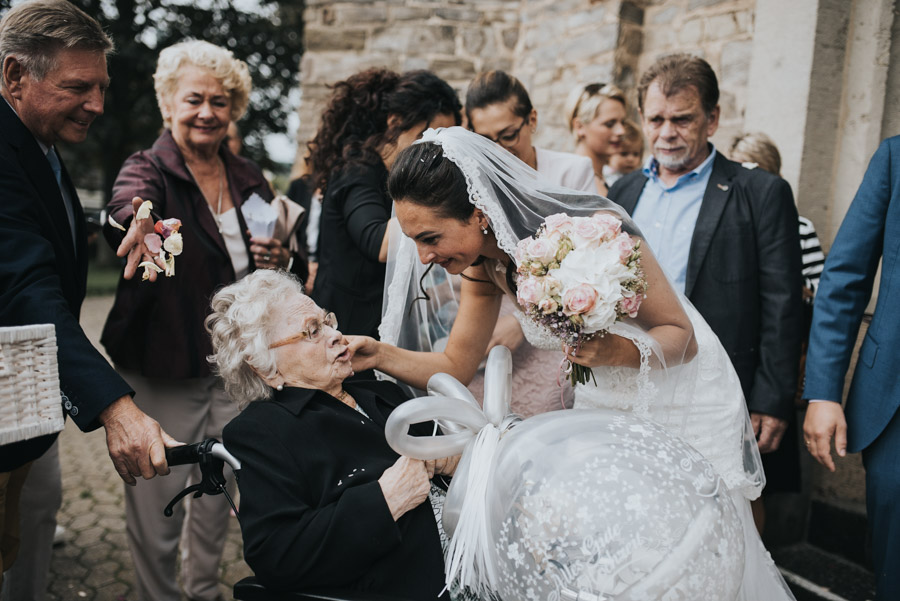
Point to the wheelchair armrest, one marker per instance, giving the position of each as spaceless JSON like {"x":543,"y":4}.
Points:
{"x":249,"y":589}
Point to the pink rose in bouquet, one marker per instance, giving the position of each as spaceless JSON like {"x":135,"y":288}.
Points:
{"x":579,"y":299}
{"x":530,"y":292}
{"x":630,"y":303}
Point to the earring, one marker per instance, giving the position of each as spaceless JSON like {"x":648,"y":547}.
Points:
{"x":280,"y":387}
{"x":484,"y":230}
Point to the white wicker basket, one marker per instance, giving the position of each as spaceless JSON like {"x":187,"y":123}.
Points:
{"x":29,"y":383}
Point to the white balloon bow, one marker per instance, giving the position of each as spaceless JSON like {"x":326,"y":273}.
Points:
{"x":476,"y":431}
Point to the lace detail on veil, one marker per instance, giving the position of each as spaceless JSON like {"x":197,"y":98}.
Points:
{"x":479,"y":196}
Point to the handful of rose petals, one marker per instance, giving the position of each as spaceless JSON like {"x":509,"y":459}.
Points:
{"x":165,"y":242}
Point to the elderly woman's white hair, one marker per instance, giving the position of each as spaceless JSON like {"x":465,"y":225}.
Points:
{"x":242,"y":319}
{"x":231,"y":72}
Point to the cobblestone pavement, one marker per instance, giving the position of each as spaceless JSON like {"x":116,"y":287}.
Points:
{"x":95,"y":563}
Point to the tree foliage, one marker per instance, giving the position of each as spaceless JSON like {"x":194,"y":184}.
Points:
{"x":267,"y":36}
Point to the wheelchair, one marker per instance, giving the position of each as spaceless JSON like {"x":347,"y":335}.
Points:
{"x":211,"y":456}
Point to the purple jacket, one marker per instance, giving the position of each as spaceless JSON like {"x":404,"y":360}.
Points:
{"x":157,"y":328}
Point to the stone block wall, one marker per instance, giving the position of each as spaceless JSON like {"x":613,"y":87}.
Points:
{"x":553,"y":46}
{"x":720,"y":31}
{"x":455,"y":39}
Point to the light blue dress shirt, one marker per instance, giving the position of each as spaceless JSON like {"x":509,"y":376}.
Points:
{"x":667,"y":215}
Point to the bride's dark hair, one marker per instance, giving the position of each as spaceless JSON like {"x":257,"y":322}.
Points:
{"x":355,"y":126}
{"x":423,"y":176}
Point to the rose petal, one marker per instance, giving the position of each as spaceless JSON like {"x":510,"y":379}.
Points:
{"x":144,"y":210}
{"x":154,"y":243}
{"x":174,"y":244}
{"x":170,"y":266}
{"x":113,"y":223}
{"x":148,"y":265}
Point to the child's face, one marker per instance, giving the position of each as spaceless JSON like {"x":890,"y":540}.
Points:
{"x":628,"y":159}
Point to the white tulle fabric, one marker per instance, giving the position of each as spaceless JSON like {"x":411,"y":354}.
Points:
{"x":700,"y":401}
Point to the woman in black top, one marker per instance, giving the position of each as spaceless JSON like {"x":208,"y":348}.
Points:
{"x":370,"y":117}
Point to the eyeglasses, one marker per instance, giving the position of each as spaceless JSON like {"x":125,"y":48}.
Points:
{"x":313,"y":332}
{"x":510,"y":139}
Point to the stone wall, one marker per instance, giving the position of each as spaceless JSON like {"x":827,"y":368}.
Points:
{"x":456,"y":40}
{"x":552,"y":45}
{"x":720,"y":31}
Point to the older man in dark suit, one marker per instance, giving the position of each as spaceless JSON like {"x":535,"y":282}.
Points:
{"x":53,"y":80}
{"x":727,"y":237}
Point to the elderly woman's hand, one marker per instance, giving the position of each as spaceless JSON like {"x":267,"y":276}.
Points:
{"x":268,"y":253}
{"x":404,"y":485}
{"x":446,"y":466}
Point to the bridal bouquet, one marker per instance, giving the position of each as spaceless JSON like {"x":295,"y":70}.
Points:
{"x":577,"y":276}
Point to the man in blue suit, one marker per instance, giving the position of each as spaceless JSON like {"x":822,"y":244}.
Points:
{"x":871,"y":422}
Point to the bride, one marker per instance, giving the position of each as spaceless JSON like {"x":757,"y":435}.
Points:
{"x":463,"y":204}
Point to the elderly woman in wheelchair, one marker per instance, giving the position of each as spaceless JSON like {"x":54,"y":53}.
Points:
{"x":325,"y":502}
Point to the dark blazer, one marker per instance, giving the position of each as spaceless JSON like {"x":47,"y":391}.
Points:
{"x":744,"y":276}
{"x":350,"y":281}
{"x":312,"y":511}
{"x":157,"y":328}
{"x":42,"y":279}
{"x":870,"y":231}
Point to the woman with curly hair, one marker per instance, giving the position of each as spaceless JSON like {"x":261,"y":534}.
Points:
{"x":370,"y":118}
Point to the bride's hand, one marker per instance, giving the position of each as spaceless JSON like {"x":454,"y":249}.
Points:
{"x":363,"y":352}
{"x":605,"y":350}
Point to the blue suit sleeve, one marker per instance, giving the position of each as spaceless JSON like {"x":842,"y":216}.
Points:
{"x":847,"y":281}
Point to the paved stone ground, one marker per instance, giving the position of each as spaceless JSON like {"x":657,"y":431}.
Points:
{"x":95,"y":562}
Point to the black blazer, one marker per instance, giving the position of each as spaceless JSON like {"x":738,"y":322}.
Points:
{"x":312,"y":511}
{"x":350,"y":281}
{"x":744,"y":276}
{"x":43,"y":277}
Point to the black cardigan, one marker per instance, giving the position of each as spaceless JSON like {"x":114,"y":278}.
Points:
{"x":350,"y":281}
{"x":312,"y":511}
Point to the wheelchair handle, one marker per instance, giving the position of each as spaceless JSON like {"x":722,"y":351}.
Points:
{"x":183,"y":455}
{"x":192,"y":453}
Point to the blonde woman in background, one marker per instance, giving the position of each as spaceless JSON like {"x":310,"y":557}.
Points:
{"x":595,"y":114}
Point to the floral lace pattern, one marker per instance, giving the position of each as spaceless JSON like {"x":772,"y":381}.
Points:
{"x":630,"y":511}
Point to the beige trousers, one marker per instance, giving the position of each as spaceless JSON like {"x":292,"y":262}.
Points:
{"x":10,"y":489}
{"x":189,"y":410}
{"x":41,"y":499}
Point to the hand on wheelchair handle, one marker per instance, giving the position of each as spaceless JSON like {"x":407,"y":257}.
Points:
{"x":183,"y":455}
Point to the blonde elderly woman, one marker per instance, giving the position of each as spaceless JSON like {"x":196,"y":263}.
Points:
{"x":154,"y":333}
{"x":595,"y":114}
{"x":325,"y":502}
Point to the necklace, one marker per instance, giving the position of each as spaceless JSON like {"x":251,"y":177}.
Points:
{"x":343,"y":395}
{"x":217,"y":213}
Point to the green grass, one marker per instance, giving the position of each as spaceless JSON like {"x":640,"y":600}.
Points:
{"x":102,"y":279}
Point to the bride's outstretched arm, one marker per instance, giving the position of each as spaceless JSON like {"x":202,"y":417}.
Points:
{"x":663,"y":318}
{"x":479,"y":307}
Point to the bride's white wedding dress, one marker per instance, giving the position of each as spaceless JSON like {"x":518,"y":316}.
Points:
{"x":707,"y":410}
{"x":699,"y":400}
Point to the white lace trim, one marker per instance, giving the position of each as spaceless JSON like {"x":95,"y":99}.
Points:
{"x":479,"y":196}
